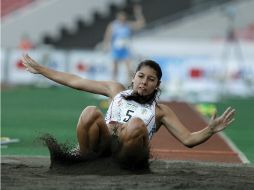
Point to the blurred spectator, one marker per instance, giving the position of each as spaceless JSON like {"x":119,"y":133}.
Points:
{"x":117,"y":38}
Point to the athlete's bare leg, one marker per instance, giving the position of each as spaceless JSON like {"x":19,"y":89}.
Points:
{"x":91,"y":130}
{"x":134,"y":137}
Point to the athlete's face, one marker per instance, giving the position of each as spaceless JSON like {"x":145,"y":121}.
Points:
{"x":145,"y":81}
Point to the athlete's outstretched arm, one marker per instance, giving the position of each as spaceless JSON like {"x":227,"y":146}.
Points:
{"x":191,"y":139}
{"x":107,"y":88}
{"x":140,"y":21}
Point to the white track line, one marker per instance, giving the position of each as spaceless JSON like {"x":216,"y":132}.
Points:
{"x":234,"y":148}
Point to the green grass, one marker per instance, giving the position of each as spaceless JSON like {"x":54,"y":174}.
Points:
{"x":241,"y":132}
{"x":28,"y":112}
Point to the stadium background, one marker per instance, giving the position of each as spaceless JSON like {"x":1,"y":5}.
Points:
{"x":188,"y":39}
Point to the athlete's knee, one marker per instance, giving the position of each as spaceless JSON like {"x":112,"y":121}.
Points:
{"x":89,"y":115}
{"x":136,"y":128}
{"x":91,"y":112}
{"x":135,"y":136}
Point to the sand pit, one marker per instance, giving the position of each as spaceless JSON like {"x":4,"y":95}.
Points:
{"x":34,"y":173}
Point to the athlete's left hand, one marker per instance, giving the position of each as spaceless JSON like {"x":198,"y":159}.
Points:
{"x":217,"y":124}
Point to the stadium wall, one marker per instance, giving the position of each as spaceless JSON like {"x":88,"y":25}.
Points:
{"x":200,"y":71}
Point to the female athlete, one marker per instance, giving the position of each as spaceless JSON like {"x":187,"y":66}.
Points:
{"x":132,"y":118}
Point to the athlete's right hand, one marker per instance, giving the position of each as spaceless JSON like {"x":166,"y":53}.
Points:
{"x":31,"y":65}
{"x":137,"y":9}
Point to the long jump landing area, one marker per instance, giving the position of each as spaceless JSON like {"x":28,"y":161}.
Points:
{"x":216,"y":149}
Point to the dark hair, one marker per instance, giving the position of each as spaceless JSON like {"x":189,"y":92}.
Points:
{"x":154,"y":65}
{"x":150,"y":98}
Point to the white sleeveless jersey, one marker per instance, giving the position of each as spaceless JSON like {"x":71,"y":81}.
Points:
{"x":121,"y":110}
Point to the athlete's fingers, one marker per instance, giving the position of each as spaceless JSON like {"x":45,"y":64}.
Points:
{"x":28,"y":60}
{"x":229,"y":116}
{"x":214,"y":115}
{"x":229,"y":122}
{"x":24,"y":62}
{"x":228,"y":110}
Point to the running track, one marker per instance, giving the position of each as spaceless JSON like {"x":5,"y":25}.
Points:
{"x":216,"y":149}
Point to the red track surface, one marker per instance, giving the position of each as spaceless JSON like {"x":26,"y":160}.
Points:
{"x":216,"y":149}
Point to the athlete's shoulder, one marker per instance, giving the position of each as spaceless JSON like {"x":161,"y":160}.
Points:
{"x":123,"y":93}
{"x":119,"y":87}
{"x":161,"y":105}
{"x":162,"y":109}
{"x":114,"y":88}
